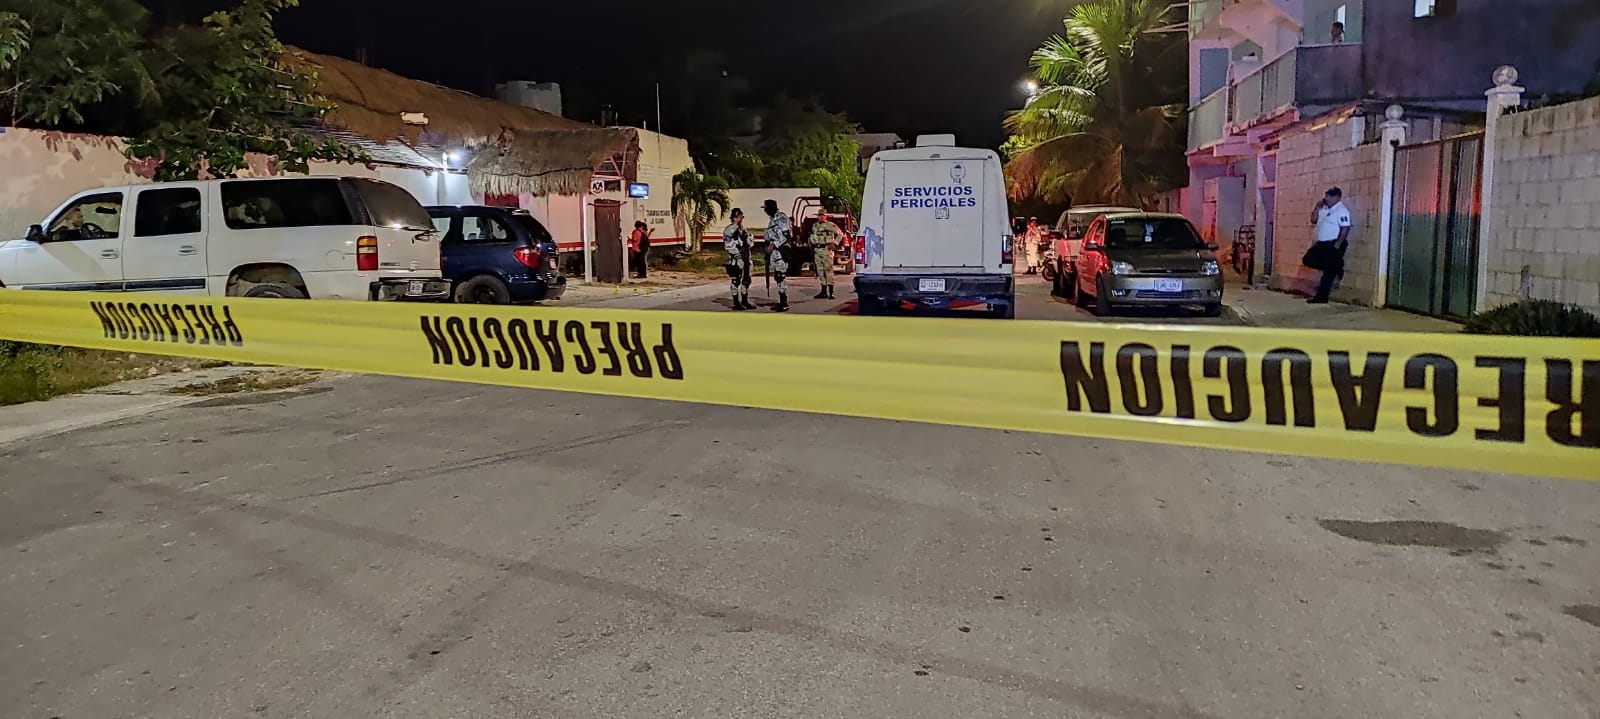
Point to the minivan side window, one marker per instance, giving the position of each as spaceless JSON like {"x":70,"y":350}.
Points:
{"x":91,"y":217}
{"x":267,"y":204}
{"x":167,"y":211}
{"x":485,"y":228}
{"x":533,"y":227}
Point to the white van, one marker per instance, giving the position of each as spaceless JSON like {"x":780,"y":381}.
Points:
{"x":294,"y":237}
{"x":935,"y":230}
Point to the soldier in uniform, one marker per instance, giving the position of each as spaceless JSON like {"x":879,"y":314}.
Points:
{"x":736,"y":240}
{"x":777,"y":239}
{"x":824,"y":235}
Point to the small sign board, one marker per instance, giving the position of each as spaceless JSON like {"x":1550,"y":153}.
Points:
{"x":639,"y":190}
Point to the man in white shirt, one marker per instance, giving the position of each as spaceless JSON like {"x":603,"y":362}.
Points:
{"x":1332,"y":220}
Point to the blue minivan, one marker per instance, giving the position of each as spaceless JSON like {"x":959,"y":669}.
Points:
{"x":497,"y":256}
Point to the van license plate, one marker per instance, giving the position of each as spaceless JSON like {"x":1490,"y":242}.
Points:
{"x":1169,"y":285}
{"x":930,"y":285}
{"x":415,"y":288}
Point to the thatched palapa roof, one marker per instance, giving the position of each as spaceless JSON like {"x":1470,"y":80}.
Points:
{"x":512,"y":149}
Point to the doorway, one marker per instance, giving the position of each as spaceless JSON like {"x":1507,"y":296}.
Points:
{"x":608,"y":243}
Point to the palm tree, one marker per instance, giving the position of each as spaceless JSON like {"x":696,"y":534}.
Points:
{"x":1100,"y":127}
{"x":698,"y":199}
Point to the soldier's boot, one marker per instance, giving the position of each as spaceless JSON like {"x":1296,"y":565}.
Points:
{"x":830,"y":293}
{"x":783,"y":303}
{"x":745,"y":300}
{"x":738,"y":303}
{"x":823,"y":294}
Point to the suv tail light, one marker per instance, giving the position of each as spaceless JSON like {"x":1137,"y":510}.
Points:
{"x":367,"y":253}
{"x":528,"y":256}
{"x":861,"y":250}
{"x":1006,"y":256}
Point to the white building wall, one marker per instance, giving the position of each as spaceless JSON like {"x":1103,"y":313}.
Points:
{"x":661,"y":158}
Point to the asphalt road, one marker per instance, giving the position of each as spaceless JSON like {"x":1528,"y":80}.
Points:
{"x":1034,"y":302}
{"x":394,"y":548}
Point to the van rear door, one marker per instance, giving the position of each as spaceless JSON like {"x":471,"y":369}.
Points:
{"x":408,"y":242}
{"x":934,"y":216}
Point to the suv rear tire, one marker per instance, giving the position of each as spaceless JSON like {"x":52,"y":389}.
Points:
{"x":274,"y":290}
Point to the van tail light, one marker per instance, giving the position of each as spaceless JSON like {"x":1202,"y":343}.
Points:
{"x":528,"y":256}
{"x":367,"y":253}
{"x":1006,"y":255}
{"x":861,"y":250}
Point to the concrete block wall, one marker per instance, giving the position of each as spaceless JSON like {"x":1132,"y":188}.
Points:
{"x":1546,"y":213}
{"x":1309,"y":163}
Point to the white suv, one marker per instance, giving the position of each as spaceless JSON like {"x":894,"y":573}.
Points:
{"x":294,"y":237}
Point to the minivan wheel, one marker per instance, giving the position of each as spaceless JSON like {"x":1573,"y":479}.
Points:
{"x":1214,"y":309}
{"x":275,"y":290}
{"x":483,"y":290}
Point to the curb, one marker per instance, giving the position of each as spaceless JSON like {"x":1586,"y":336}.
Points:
{"x":654,"y":300}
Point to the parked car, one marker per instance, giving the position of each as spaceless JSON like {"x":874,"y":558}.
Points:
{"x":496,"y":256}
{"x":346,"y":238}
{"x":1066,"y":241}
{"x":1146,"y":259}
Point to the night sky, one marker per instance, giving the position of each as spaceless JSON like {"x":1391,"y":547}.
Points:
{"x":903,"y":66}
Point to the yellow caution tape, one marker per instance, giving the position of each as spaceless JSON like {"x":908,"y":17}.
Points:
{"x":1514,"y":405}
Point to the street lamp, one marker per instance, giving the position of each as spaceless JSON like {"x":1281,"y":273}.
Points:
{"x":1031,"y":87}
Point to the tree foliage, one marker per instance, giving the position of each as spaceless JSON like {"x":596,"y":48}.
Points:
{"x":13,"y":40}
{"x":797,"y":143}
{"x":1103,"y":126}
{"x":60,"y":60}
{"x":804,"y":145}
{"x":699,"y":199}
{"x":196,"y":100}
{"x":226,"y":90}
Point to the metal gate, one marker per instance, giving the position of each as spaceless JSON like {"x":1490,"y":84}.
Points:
{"x":1433,"y":256}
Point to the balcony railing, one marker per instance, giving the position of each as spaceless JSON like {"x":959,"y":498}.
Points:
{"x":1306,"y":76}
{"x":1207,"y":120}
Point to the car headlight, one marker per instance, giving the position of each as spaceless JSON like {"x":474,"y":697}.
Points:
{"x":1121,"y":268}
{"x":1211,"y":268}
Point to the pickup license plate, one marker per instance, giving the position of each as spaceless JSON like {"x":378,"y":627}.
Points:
{"x":415,"y":288}
{"x":1169,"y":285}
{"x":930,"y":285}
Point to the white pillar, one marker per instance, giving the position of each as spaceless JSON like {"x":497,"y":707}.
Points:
{"x":1505,"y":94}
{"x":1263,"y":270}
{"x":1394,"y":136}
{"x":588,"y":238}
{"x":1358,"y":130}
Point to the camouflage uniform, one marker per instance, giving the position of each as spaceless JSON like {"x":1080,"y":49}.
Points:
{"x":737,"y":242}
{"x":824,"y":235}
{"x":777,"y":239}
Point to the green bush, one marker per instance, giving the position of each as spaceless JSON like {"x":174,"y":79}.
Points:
{"x":28,"y":372}
{"x":1539,"y":318}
